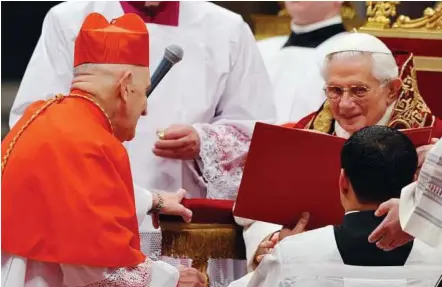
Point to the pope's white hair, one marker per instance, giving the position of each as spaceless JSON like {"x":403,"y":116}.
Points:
{"x":384,"y":65}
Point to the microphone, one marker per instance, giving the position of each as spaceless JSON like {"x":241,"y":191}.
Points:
{"x":172,"y":55}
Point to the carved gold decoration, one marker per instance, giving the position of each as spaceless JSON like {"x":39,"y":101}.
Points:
{"x":428,"y":27}
{"x":348,"y":11}
{"x":379,"y":13}
{"x":432,"y":19}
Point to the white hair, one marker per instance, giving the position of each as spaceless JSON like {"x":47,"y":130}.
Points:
{"x":108,"y":69}
{"x":384,"y":65}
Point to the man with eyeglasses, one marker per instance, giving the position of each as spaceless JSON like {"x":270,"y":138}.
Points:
{"x":364,"y":87}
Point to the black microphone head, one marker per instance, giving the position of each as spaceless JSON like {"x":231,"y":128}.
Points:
{"x":174,"y":54}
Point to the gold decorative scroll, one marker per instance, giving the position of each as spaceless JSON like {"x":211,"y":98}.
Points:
{"x":348,"y":11}
{"x":428,"y":27}
{"x":379,"y":13}
{"x":432,"y":19}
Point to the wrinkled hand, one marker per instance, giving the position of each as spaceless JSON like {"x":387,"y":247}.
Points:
{"x":171,"y":206}
{"x":179,"y":142}
{"x":422,"y":152}
{"x":190,"y":277}
{"x":268,"y":244}
{"x":389,"y":234}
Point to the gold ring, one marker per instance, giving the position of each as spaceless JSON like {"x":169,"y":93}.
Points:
{"x":160,"y":134}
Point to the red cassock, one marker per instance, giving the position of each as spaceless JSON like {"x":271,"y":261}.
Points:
{"x":67,"y":192}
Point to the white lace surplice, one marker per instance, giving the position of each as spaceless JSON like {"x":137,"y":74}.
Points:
{"x":222,"y":155}
{"x":21,"y":272}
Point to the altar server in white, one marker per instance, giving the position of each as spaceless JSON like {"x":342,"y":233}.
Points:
{"x":377,"y":162}
{"x":293,"y":61}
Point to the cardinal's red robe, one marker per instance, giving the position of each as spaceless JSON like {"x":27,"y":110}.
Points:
{"x":67,"y":191}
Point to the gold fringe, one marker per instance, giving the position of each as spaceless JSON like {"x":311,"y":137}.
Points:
{"x":202,"y":241}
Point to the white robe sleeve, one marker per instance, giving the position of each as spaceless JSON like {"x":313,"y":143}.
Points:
{"x":245,"y":97}
{"x":148,"y":273}
{"x":253,"y":235}
{"x":269,"y":273}
{"x":420,"y":208}
{"x":143,"y":202}
{"x":50,"y":69}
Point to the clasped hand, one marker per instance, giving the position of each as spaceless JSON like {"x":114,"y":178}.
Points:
{"x":269,"y":243}
{"x":190,"y":277}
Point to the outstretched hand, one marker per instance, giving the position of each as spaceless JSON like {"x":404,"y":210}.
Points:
{"x":389,"y":234}
{"x":171,"y":206}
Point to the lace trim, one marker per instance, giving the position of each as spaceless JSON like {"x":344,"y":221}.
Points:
{"x":223,"y":153}
{"x":138,"y":276}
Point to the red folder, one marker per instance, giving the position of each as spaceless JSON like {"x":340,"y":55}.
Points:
{"x":289,"y":171}
{"x":419,"y":136}
{"x":204,"y":210}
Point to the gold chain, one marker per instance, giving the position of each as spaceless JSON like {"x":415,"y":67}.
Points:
{"x":57,"y":98}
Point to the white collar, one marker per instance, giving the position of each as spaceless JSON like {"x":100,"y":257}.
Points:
{"x":300,"y":29}
{"x":352,"y":211}
{"x":340,"y":132}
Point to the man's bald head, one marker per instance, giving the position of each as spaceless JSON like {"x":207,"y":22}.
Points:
{"x":309,"y":12}
{"x":119,"y":89}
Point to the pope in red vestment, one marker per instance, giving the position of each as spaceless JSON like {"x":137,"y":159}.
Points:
{"x":408,"y":111}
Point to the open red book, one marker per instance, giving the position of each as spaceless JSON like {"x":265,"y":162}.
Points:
{"x":289,"y":171}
